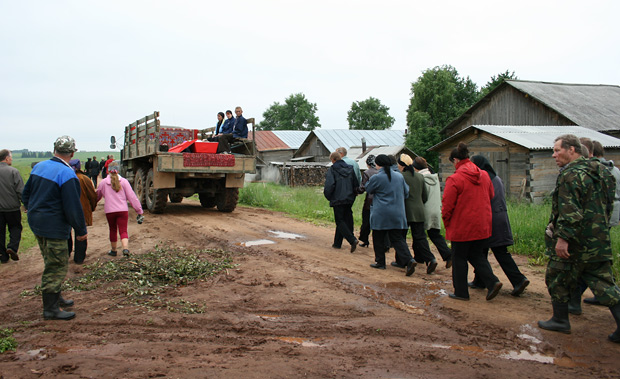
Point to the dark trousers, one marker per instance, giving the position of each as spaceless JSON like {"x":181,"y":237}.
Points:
{"x":365,"y":228}
{"x":421,"y":251}
{"x":223,"y":142}
{"x":440,"y":243}
{"x":80,"y":249}
{"x":397,"y":239}
{"x":343,"y":215}
{"x":473,"y":252}
{"x":94,"y":179}
{"x":13,"y":220}
{"x":507,"y":264}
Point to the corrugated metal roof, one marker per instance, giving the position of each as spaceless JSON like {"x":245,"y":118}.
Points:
{"x":293,"y":138}
{"x":279,"y":139}
{"x":536,"y":137}
{"x":593,"y":106}
{"x":335,"y":138}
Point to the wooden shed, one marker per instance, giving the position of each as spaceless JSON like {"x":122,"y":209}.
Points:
{"x":519,"y":102}
{"x":520,"y":155}
{"x":322,"y":142}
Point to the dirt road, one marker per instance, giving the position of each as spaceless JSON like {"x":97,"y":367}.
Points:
{"x":293,"y":307}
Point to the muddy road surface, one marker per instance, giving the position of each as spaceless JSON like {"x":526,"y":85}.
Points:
{"x":292,"y":307}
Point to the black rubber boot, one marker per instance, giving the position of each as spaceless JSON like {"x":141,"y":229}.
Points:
{"x":559,"y":322}
{"x":51,"y":310}
{"x":615,"y":311}
{"x":574,"y":304}
{"x":64,"y":303}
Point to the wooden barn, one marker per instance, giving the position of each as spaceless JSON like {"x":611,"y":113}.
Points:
{"x":518,"y":102}
{"x":521,"y":155}
{"x":322,"y":142}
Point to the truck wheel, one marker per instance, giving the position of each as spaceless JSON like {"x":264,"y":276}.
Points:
{"x":206,"y":201}
{"x":227,"y":201}
{"x":156,"y":199}
{"x":139,"y":185}
{"x":175,"y":197}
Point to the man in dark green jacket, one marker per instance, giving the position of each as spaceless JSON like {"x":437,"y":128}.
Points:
{"x":578,"y":234}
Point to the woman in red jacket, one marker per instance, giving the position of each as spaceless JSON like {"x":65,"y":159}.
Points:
{"x":466,"y":213}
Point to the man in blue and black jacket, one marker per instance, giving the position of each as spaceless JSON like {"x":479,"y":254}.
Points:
{"x":52,"y":199}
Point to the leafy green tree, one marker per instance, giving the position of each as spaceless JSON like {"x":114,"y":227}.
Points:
{"x":369,"y":114}
{"x":495,"y":81}
{"x":297,"y":113}
{"x":437,"y":97}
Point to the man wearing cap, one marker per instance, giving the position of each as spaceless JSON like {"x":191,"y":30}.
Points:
{"x":52,"y":200}
{"x":11,"y":186}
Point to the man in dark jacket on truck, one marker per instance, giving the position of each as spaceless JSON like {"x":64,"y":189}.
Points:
{"x":340,"y":186}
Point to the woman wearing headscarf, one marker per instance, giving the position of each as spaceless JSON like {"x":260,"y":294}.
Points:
{"x":88,"y":199}
{"x":466,"y":214}
{"x":414,"y":209}
{"x":387,"y":214}
{"x":432,"y":209}
{"x":501,"y":236}
{"x":117,"y":191}
{"x":365,"y":228}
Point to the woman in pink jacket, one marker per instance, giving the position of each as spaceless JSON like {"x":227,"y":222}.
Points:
{"x":117,"y":191}
{"x":466,"y":213}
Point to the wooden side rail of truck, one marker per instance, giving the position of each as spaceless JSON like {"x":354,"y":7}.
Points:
{"x":157,"y":174}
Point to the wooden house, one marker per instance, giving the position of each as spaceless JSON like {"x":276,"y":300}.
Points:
{"x":322,"y":142}
{"x":518,"y":102}
{"x":520,"y":155}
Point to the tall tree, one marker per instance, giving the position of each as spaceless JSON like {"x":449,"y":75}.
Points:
{"x":437,"y":97}
{"x":369,"y":114}
{"x":297,"y":113}
{"x":497,"y":80}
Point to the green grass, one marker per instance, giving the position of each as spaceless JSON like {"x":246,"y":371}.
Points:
{"x":305,"y":203}
{"x":7,"y":342}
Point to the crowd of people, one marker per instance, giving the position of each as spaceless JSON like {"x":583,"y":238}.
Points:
{"x":403,"y":194}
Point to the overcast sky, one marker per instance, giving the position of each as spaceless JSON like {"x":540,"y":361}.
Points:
{"x":88,"y":68}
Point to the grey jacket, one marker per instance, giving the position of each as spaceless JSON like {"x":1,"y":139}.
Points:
{"x":615,"y":214}
{"x":11,"y":187}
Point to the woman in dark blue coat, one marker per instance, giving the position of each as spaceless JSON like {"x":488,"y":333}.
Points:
{"x":387,"y":214}
{"x":501,"y":236}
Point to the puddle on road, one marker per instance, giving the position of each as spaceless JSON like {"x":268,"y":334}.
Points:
{"x":257,"y":243}
{"x":525,"y":355}
{"x":305,"y":342}
{"x":269,"y":317}
{"x":285,"y":235}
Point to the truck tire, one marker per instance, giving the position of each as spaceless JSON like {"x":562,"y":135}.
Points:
{"x":175,"y":197}
{"x":139,"y":185}
{"x":156,"y":199}
{"x":227,"y":201}
{"x":206,"y":201}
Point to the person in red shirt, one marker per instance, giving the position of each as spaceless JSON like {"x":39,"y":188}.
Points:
{"x":467,"y":217}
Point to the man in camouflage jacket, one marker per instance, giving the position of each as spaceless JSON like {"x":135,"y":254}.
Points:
{"x":578,"y":234}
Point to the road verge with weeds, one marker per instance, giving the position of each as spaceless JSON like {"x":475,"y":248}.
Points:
{"x":143,"y":278}
{"x":7,"y":342}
